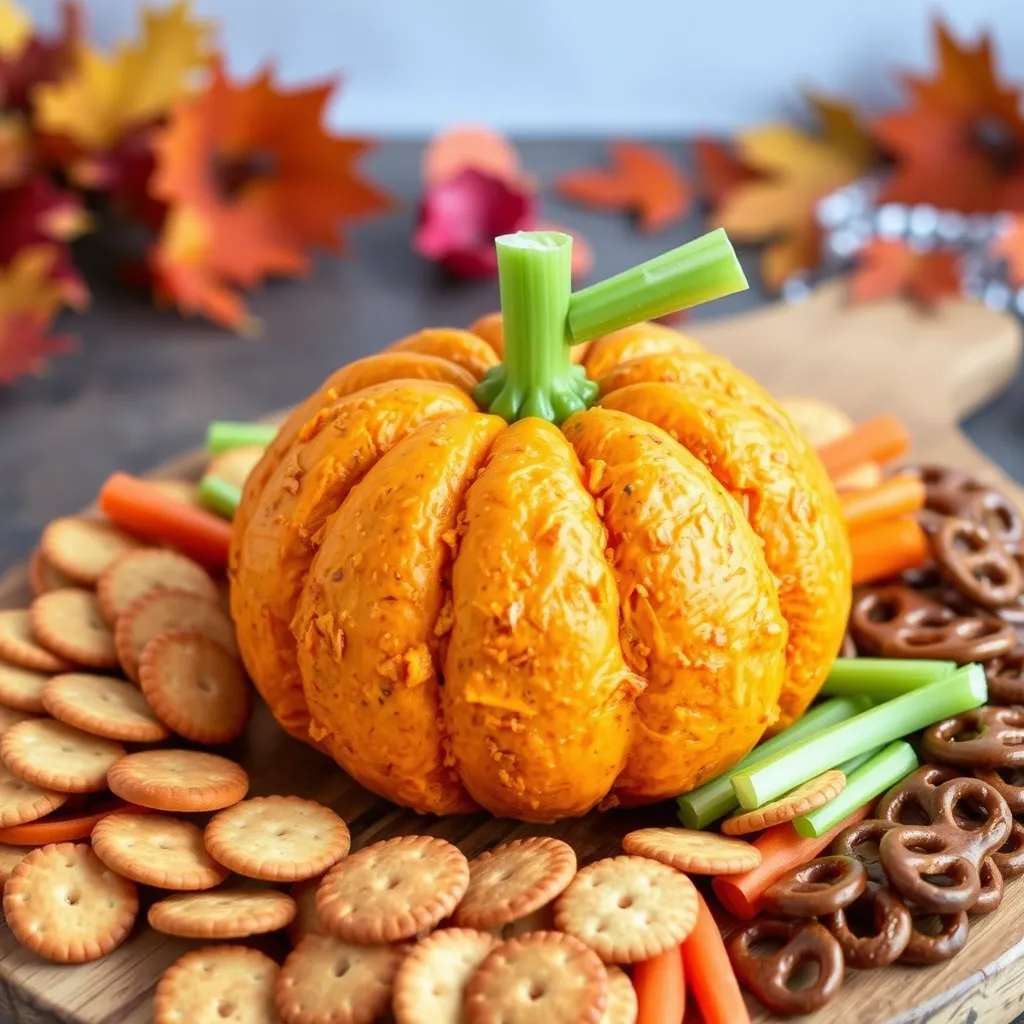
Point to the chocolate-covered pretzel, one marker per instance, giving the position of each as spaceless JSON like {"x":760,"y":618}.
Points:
{"x":977,"y":564}
{"x":891,"y":923}
{"x":987,"y":737}
{"x":1008,"y":783}
{"x":820,"y":886}
{"x":767,"y":977}
{"x":991,"y":894}
{"x":1009,"y":858}
{"x":894,"y":621}
{"x":994,"y":511}
{"x":946,"y":488}
{"x":932,"y":948}
{"x":1005,"y":677}
{"x":915,"y":857}
{"x":910,"y":802}
{"x":849,"y":648}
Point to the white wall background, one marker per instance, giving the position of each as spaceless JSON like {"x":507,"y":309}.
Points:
{"x":582,"y":66}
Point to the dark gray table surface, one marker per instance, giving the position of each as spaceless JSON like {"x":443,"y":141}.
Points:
{"x":145,"y":382}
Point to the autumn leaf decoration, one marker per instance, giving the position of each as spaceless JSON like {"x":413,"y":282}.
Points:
{"x":888,"y":269}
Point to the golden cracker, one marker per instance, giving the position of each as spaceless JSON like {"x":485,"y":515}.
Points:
{"x":698,"y":853}
{"x":68,"y":623}
{"x":44,"y":577}
{"x":622,"y":1007}
{"x":65,"y":905}
{"x":22,"y":688}
{"x":425,"y":879}
{"x":814,"y":793}
{"x":21,"y":801}
{"x":156,"y":850}
{"x":222,"y":913}
{"x":168,"y":611}
{"x":327,"y":981}
{"x":515,"y":879}
{"x":307,"y":919}
{"x":218,"y":984}
{"x":103,"y":706}
{"x":430,"y":984}
{"x":10,"y":858}
{"x":180,"y":490}
{"x":19,"y":646}
{"x":540,"y":978}
{"x":11,"y":716}
{"x":148,"y":571}
{"x":178,"y":780}
{"x":235,"y":465}
{"x":277,"y":838}
{"x":81,"y":548}
{"x":628,"y":908}
{"x":57,"y":756}
{"x":196,"y":687}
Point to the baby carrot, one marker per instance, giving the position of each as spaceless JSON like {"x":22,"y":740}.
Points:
{"x":781,"y":849}
{"x":660,"y":989}
{"x":884,"y":549}
{"x":880,"y":439}
{"x":709,"y":972}
{"x":141,"y":508}
{"x":899,"y":496}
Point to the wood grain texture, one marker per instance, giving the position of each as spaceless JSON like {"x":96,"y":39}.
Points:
{"x":930,"y":370}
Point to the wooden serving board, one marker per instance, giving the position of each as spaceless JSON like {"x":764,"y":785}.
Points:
{"x":931,"y":370}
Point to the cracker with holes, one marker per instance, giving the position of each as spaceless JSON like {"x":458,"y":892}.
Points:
{"x":698,"y":853}
{"x":628,"y":908}
{"x":156,"y":850}
{"x":327,"y":981}
{"x":65,"y":905}
{"x":196,"y":687}
{"x":19,"y":647}
{"x":10,"y":858}
{"x":222,"y":913}
{"x":56,"y":756}
{"x":217,"y":983}
{"x":178,"y":780}
{"x":68,"y":623}
{"x":814,"y":793}
{"x":81,"y":548}
{"x":392,"y":890}
{"x":22,"y":688}
{"x":621,"y":1007}
{"x":307,"y":920}
{"x":103,"y":706}
{"x":515,"y":879}
{"x":277,"y":838}
{"x":541,"y":978}
{"x":21,"y":801}
{"x":430,"y":985}
{"x":148,"y":571}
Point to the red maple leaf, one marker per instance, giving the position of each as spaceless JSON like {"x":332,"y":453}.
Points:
{"x":886,"y":269}
{"x":719,"y":170}
{"x":26,"y":347}
{"x":42,"y":59}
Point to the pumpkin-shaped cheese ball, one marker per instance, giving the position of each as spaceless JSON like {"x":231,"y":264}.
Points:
{"x":466,"y":605}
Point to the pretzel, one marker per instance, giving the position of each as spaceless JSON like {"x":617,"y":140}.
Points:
{"x":991,"y":894}
{"x":994,"y":511}
{"x":947,"y":489}
{"x":996,"y":738}
{"x":976,"y":563}
{"x":933,"y":948}
{"x":1005,"y":677}
{"x":768,"y":976}
{"x":1009,"y":858}
{"x":821,"y":886}
{"x":1008,"y":783}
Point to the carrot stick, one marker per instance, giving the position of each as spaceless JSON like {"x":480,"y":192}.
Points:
{"x":146,"y":510}
{"x":886,"y":548}
{"x":880,"y":439}
{"x":660,"y":989}
{"x":899,"y":496}
{"x":63,"y":828}
{"x":781,"y":849}
{"x":709,"y":972}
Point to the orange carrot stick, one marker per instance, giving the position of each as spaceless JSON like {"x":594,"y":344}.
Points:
{"x":781,"y":849}
{"x":709,"y":972}
{"x":899,"y":496}
{"x":886,"y":548}
{"x":880,"y":439}
{"x":63,"y":828}
{"x":660,"y":989}
{"x":146,"y":510}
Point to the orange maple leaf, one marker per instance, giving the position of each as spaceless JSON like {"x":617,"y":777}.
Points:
{"x":252,"y":181}
{"x":795,"y":170}
{"x":886,"y":269}
{"x":959,"y":144}
{"x":641,"y":179}
{"x":719,"y":171}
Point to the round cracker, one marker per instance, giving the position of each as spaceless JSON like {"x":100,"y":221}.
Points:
{"x":19,"y":646}
{"x":307,"y":920}
{"x":327,"y":981}
{"x":63,"y":903}
{"x":628,"y":908}
{"x":10,"y":858}
{"x":156,"y":850}
{"x":196,"y":687}
{"x":815,"y":792}
{"x":622,"y":1007}
{"x":103,"y":706}
{"x":218,"y":984}
{"x":178,"y":780}
{"x":515,"y":879}
{"x":148,"y":571}
{"x":57,"y":756}
{"x":277,"y":838}
{"x":81,"y":548}
{"x":43,"y":576}
{"x":11,"y":716}
{"x":392,"y":890}
{"x":431,"y":982}
{"x":180,"y":490}
{"x":168,"y":611}
{"x":697,"y":853}
{"x":21,"y":801}
{"x":235,"y":465}
{"x":22,"y":688}
{"x":540,"y":978}
{"x":68,"y":623}
{"x":223,"y":913}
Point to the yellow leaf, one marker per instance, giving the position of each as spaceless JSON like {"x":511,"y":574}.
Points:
{"x":15,"y":29}
{"x":26,"y":285}
{"x":107,"y":95}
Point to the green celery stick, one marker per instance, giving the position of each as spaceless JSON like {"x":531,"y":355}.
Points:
{"x":883,"y":678}
{"x":223,"y":435}
{"x":219,"y":496}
